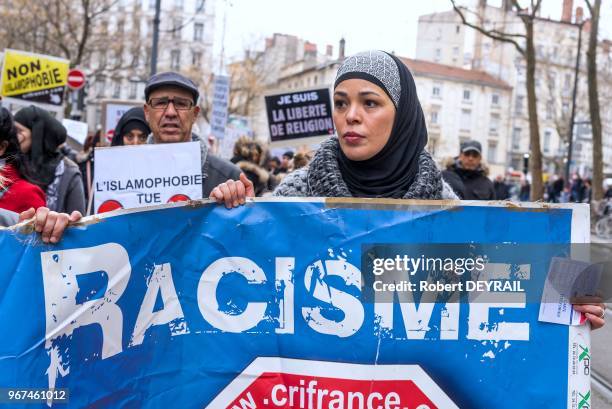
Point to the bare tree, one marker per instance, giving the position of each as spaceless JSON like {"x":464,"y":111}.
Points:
{"x":527,"y":51}
{"x":594,"y":8}
{"x":58,"y":27}
{"x":248,"y":82}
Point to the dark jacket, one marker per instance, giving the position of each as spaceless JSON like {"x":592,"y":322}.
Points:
{"x":214,"y":169}
{"x":469,"y":184}
{"x":8,"y":218}
{"x":71,"y":195}
{"x":502,"y":191}
{"x":262,"y":180}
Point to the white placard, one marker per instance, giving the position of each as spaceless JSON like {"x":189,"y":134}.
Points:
{"x":218,"y":119}
{"x":76,"y":130}
{"x":136,"y":176}
{"x":113,"y":111}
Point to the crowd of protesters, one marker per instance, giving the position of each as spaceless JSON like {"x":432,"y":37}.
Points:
{"x":39,"y":169}
{"x":379,"y":152}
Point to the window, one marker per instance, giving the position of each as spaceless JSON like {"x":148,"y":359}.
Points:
{"x":457,"y":29}
{"x":495,"y":99}
{"x":136,"y":60}
{"x":516,"y":138}
{"x":565,"y":108}
{"x":120,"y":26}
{"x":434,"y":116}
{"x":567,"y":83}
{"x":133,"y":89}
{"x":198,"y":31}
{"x":518,"y":104}
{"x":316,"y":79}
{"x":549,"y":109}
{"x":175,"y":59}
{"x":467,"y":94}
{"x":199,"y":6}
{"x":178,"y":4}
{"x":438,"y":54}
{"x":547,"y":141}
{"x":455,"y":51}
{"x":196,"y":58}
{"x":494,"y":123}
{"x":117,"y":88}
{"x":492,"y":152}
{"x":152,"y":4}
{"x":436,"y":90}
{"x":466,"y":119}
{"x":176,"y":28}
{"x":552,"y":80}
{"x":101,"y":86}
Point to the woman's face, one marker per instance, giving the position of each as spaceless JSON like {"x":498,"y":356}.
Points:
{"x":135,"y":137}
{"x":363,"y":115}
{"x":24,"y":136}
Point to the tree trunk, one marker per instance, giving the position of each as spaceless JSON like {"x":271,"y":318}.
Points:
{"x":535,"y":159}
{"x":597,"y":182}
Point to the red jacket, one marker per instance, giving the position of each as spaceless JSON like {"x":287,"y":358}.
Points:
{"x":18,"y":194}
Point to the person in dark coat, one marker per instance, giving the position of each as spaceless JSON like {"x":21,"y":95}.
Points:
{"x":40,"y":136}
{"x":577,"y":189}
{"x":171,"y":109}
{"x":132,"y":128}
{"x":467,"y":176}
{"x":525,"y":191}
{"x":502,"y":191}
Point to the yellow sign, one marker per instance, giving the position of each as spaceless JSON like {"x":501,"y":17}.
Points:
{"x":34,"y":77}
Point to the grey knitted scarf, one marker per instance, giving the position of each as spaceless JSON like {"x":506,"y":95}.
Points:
{"x":325,"y":178}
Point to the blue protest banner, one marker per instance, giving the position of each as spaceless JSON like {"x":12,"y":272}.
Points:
{"x":193,"y":305}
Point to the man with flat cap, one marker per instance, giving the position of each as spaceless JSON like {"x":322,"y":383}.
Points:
{"x":171,"y":109}
{"x":467,"y":176}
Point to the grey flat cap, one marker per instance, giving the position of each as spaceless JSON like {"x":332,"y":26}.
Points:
{"x":170,"y":78}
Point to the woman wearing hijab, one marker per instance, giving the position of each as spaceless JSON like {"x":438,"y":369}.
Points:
{"x":40,"y":135}
{"x":379,"y":150}
{"x":16,"y":193}
{"x":132,"y":128}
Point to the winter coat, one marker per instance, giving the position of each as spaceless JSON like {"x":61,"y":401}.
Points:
{"x":322,"y":178}
{"x":18,"y":194}
{"x":469,"y":184}
{"x":71,"y":195}
{"x":502,"y":191}
{"x":261,"y":178}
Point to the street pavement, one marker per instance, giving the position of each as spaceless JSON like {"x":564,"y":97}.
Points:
{"x":601,"y":351}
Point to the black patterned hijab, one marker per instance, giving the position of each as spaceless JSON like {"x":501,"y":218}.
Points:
{"x":390,"y":172}
{"x":47,"y":135}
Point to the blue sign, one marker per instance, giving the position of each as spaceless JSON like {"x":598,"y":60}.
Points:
{"x":260,"y":306}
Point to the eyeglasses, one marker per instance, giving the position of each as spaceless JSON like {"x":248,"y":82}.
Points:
{"x":180,"y":104}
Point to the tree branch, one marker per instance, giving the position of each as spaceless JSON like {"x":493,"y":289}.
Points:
{"x":494,"y":34}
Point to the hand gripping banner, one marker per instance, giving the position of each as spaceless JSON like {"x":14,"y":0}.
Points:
{"x":272,"y":305}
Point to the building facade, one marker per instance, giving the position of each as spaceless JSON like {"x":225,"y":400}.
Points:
{"x":460,"y":105}
{"x":442,"y":38}
{"x":120,"y":70}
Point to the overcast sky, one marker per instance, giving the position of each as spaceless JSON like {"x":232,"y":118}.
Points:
{"x":390,"y":25}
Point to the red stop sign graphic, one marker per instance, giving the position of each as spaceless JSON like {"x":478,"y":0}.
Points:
{"x":294,"y":383}
{"x":301,"y":391}
{"x":76,"y":79}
